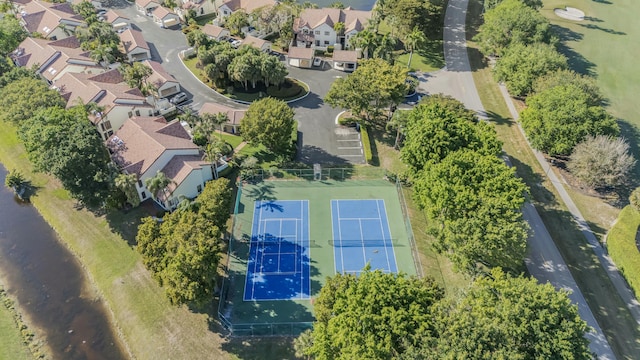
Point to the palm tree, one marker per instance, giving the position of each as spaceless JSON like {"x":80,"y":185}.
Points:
{"x":213,"y":153}
{"x":302,"y":343}
{"x":127,"y":184}
{"x":102,"y":54}
{"x":414,"y":40}
{"x":366,"y":40}
{"x":158,"y":183}
{"x":386,"y":45}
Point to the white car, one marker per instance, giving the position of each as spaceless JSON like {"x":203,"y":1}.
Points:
{"x":317,"y":61}
{"x":180,"y":98}
{"x":236,"y":43}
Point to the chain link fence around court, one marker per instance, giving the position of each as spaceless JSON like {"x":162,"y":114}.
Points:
{"x":239,"y":244}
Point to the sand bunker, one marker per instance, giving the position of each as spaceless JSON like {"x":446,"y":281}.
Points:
{"x":570,"y":13}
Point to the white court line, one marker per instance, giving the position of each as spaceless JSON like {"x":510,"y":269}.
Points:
{"x":308,"y":242}
{"x":375,"y":218}
{"x":349,"y":147}
{"x":279,"y":245}
{"x":393,"y":250}
{"x":253,"y":285}
{"x":339,"y":234}
{"x":384,"y":239}
{"x":364,"y":252}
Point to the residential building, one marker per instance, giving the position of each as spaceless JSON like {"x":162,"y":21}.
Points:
{"x":200,"y":8}
{"x":260,"y":44}
{"x":234,"y":115}
{"x":147,"y":145}
{"x":107,"y":90}
{"x":164,"y":83}
{"x":146,"y":7}
{"x":134,"y":46}
{"x":164,"y":17}
{"x":301,"y":57}
{"x":216,"y":32}
{"x":117,"y":21}
{"x":51,"y":20}
{"x":54,"y":58}
{"x":227,"y":7}
{"x":345,"y":60}
{"x":315,"y":27}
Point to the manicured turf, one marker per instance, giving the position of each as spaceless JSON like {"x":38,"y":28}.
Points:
{"x":11,"y":344}
{"x":605,"y":46}
{"x":319,"y":194}
{"x":621,"y":243}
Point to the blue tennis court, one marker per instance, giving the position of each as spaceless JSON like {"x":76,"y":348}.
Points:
{"x":278,"y":265}
{"x":361,"y":235}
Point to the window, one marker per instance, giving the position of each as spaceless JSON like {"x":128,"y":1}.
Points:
{"x":137,"y":112}
{"x":107,"y":125}
{"x":130,"y":114}
{"x":150,"y":112}
{"x":140,"y":184}
{"x":326,"y":33}
{"x":305,"y":31}
{"x":326,"y":42}
{"x":144,"y":194}
{"x":317,"y":42}
{"x":226,"y":12}
{"x":199,"y":188}
{"x":317,"y":32}
{"x":109,"y":133}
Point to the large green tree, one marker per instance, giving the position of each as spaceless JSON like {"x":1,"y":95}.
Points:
{"x":371,"y":316}
{"x":440,"y":125}
{"x":236,"y":21}
{"x":183,"y":251}
{"x":512,"y":22}
{"x":269,"y":122}
{"x":474,"y":202}
{"x":11,"y":34}
{"x":22,"y":98}
{"x":65,"y":144}
{"x":504,"y":317}
{"x":490,"y":4}
{"x":570,"y":77}
{"x":558,"y":118}
{"x":521,"y":65}
{"x":374,"y":86}
{"x":136,"y":75}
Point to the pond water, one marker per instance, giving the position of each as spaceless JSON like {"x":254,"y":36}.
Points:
{"x":47,"y":282}
{"x":356,"y":4}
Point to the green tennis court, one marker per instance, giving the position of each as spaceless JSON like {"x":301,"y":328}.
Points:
{"x":247,"y":316}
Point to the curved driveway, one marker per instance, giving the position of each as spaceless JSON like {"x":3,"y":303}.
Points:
{"x":544,"y":261}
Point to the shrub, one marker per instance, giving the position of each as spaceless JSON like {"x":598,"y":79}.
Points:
{"x":330,"y":49}
{"x":366,"y":144}
{"x":602,"y":161}
{"x":347,"y":121}
{"x":634,"y":199}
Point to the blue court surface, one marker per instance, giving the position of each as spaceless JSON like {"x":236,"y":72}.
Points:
{"x":361,"y":235}
{"x":278,"y":265}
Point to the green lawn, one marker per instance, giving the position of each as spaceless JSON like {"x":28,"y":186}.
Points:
{"x":203,"y":20}
{"x":149,"y":326}
{"x":427,"y":59}
{"x":605,"y":46}
{"x":233,"y":140}
{"x":610,"y":311}
{"x":11,"y":341}
{"x":621,"y":243}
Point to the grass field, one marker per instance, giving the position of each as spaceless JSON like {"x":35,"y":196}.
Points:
{"x":11,"y":341}
{"x":321,"y":249}
{"x":622,"y":247}
{"x":150,"y":327}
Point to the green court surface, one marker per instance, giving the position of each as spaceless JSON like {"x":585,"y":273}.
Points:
{"x":284,"y":317}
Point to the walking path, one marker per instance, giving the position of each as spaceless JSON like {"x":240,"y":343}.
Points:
{"x":612,"y":271}
{"x":544,"y":260}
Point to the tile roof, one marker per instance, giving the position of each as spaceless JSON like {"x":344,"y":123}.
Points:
{"x":142,"y":140}
{"x":162,"y":12}
{"x":213,"y":30}
{"x":159,"y":76}
{"x":352,"y":19}
{"x":43,"y":17}
{"x":180,"y":166}
{"x":345,"y":56}
{"x":56,"y":55}
{"x":144,"y":3}
{"x":247,"y":5}
{"x":132,"y":39}
{"x":234,"y":115}
{"x":296,"y":52}
{"x":255,"y":42}
{"x":111,"y":16}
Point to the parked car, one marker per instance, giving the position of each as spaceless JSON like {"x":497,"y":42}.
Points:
{"x":101,"y":12}
{"x":178,"y":99}
{"x":236,"y":43}
{"x":317,"y":61}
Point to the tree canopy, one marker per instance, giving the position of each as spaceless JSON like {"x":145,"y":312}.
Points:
{"x":373,"y":86}
{"x":521,"y":65}
{"x":11,"y":34}
{"x":371,"y":316}
{"x":558,"y":118}
{"x":475,"y":203}
{"x":65,"y":144}
{"x":440,"y":125}
{"x":490,"y":4}
{"x":269,"y":122}
{"x":183,"y":251}
{"x":505,"y":317}
{"x":21,"y":99}
{"x":570,"y":77}
{"x":512,"y":22}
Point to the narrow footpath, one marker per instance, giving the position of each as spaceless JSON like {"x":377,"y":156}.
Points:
{"x":544,"y":260}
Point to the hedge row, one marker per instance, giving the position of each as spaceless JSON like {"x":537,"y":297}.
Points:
{"x":366,"y":144}
{"x":621,"y":244}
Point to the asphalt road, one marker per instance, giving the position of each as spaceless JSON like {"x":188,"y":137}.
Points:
{"x":544,"y":261}
{"x":320,"y":140}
